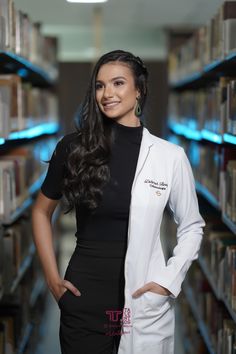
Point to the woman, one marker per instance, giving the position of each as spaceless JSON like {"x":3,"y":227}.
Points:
{"x":118,"y":288}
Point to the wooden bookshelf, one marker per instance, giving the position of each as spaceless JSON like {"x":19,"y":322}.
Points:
{"x":201,"y":325}
{"x":26,"y":204}
{"x":202,"y":110}
{"x":217,"y":293}
{"x":23,"y":268}
{"x":28,"y":135}
{"x":13,"y":63}
{"x":210,"y":71}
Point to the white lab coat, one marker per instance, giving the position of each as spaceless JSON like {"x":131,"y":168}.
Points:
{"x":163,"y":175}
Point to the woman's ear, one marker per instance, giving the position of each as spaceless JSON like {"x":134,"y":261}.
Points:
{"x":138,"y":95}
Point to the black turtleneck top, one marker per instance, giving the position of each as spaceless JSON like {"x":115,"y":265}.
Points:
{"x":109,"y":221}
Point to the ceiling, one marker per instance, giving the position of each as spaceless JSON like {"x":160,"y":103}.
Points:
{"x":86,"y":30}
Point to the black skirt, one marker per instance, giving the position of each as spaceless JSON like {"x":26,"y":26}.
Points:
{"x":90,"y":323}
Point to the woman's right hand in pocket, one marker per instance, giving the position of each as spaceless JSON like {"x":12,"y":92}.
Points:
{"x":59,"y":288}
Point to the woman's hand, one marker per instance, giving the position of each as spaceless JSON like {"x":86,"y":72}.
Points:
{"x":61,"y":286}
{"x":152,"y":286}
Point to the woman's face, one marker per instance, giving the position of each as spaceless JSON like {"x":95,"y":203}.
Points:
{"x":116,"y":92}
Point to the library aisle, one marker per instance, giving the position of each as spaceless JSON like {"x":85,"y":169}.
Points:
{"x":46,"y":56}
{"x":49,"y":340}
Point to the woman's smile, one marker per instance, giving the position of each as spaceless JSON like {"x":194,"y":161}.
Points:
{"x":110,"y":105}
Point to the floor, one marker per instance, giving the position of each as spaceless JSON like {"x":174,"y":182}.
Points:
{"x":49,"y":341}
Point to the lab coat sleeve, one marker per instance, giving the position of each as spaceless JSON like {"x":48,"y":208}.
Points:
{"x":184,"y":205}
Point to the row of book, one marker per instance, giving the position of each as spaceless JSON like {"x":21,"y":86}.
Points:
{"x":208,"y":171}
{"x":213,"y":108}
{"x":22,"y":286}
{"x":22,"y":283}
{"x":218,"y":251}
{"x":190,"y":337}
{"x":214,"y":168}
{"x":20,"y":168}
{"x":213,"y":41}
{"x":23,"y":106}
{"x":210,"y":314}
{"x":16,"y":246}
{"x":19,"y":35}
{"x":220,"y":328}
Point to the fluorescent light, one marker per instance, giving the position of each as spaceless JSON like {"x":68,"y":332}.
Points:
{"x":87,"y":1}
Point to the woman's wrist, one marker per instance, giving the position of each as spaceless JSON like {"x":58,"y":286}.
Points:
{"x":53,"y":282}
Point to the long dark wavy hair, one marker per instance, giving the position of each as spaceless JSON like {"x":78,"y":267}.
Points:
{"x":87,"y":164}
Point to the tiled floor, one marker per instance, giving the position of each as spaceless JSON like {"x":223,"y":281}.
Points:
{"x":49,"y":341}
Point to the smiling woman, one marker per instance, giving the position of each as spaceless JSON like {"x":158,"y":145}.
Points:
{"x":116,"y":93}
{"x":117,"y":289}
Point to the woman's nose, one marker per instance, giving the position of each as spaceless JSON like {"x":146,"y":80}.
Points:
{"x":108,"y":91}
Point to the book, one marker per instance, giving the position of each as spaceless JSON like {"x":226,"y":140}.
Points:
{"x":2,"y":32}
{"x":228,"y":15}
{"x":7,"y":191}
{"x":4,"y":4}
{"x":5,"y":123}
{"x":231,"y":190}
{"x":231,"y":107}
{"x":13,"y":82}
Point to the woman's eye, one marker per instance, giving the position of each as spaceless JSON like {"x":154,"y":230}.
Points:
{"x":98,"y":86}
{"x":119,"y":83}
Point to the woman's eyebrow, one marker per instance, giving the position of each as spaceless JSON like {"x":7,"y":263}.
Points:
{"x":118,"y":77}
{"x":113,"y":79}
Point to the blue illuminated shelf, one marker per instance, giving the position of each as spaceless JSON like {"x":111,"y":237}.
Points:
{"x":11,"y":63}
{"x":201,"y":325}
{"x":208,"y":195}
{"x":211,"y":71}
{"x":213,"y":137}
{"x":181,"y":129}
{"x":231,"y":225}
{"x":228,"y":138}
{"x":204,"y":134}
{"x":34,"y":132}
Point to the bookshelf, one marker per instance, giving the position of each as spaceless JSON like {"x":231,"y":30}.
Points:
{"x":200,"y":323}
{"x":29,"y":131}
{"x":202,"y":111}
{"x":208,"y":72}
{"x":13,"y":63}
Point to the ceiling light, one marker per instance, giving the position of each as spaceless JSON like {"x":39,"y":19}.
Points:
{"x":87,"y":1}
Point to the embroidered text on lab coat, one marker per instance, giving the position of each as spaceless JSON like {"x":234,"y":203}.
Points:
{"x":157,"y":185}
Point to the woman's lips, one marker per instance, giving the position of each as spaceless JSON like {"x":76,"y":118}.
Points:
{"x":109,"y":105}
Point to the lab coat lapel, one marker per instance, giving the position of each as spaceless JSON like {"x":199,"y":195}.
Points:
{"x":145,"y":146}
{"x":146,"y":143}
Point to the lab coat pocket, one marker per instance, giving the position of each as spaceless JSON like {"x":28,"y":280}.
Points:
{"x":155,"y":301}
